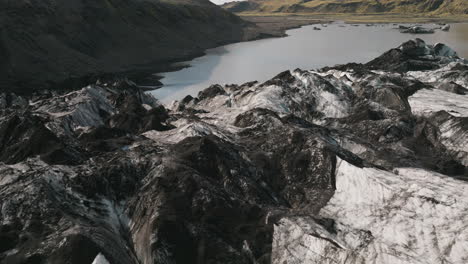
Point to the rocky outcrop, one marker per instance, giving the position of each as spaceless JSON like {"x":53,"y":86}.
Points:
{"x":417,"y":30}
{"x":358,"y":163}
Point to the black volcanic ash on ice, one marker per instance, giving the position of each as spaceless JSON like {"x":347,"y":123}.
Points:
{"x":281,"y":171}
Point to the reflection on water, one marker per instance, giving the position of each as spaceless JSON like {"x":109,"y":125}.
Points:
{"x":304,"y":48}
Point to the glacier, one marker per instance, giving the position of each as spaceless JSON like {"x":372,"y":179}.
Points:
{"x":355,"y":163}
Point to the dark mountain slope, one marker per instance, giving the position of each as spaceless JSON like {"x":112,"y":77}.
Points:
{"x":46,"y":41}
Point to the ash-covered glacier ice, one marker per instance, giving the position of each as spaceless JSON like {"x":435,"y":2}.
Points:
{"x":356,"y":163}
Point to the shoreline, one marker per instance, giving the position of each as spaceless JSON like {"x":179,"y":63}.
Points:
{"x":148,"y":76}
{"x":276,"y":25}
{"x":264,"y":28}
{"x":377,"y":18}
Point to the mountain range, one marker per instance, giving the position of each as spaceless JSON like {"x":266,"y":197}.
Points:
{"x":351,"y":6}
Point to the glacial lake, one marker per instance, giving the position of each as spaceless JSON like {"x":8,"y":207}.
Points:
{"x":304,"y":48}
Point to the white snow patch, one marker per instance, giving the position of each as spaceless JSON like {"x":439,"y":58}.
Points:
{"x":100,"y":259}
{"x":425,"y":102}
{"x":442,"y":74}
{"x":184,"y":130}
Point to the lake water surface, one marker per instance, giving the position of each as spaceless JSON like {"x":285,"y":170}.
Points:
{"x":304,"y":48}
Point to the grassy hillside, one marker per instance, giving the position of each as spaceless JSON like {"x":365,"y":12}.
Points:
{"x":45,"y":42}
{"x":434,"y":7}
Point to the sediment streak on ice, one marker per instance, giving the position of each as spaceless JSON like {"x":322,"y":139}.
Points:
{"x":426,"y":102}
{"x":409,"y":216}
